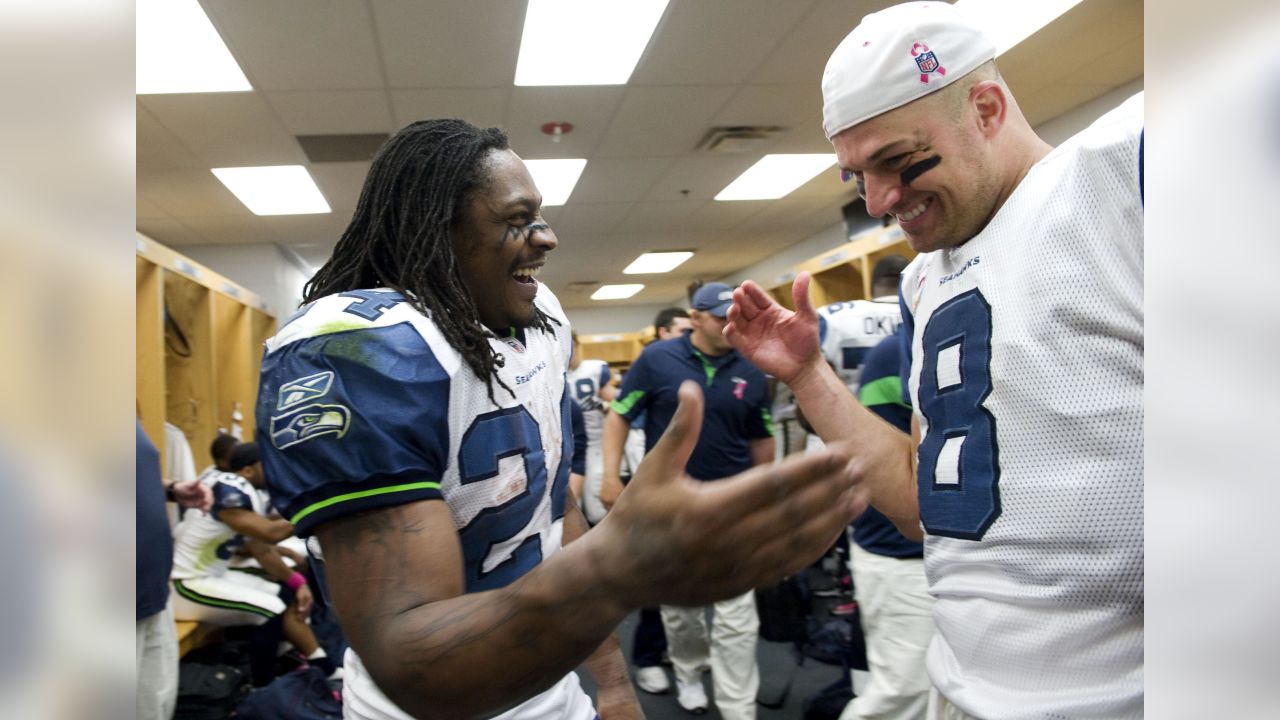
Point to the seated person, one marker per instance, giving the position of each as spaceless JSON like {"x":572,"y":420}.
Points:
{"x":220,"y":449}
{"x":207,"y":589}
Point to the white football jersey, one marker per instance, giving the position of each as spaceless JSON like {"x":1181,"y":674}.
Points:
{"x":848,"y":330}
{"x":363,"y":404}
{"x":203,"y":545}
{"x":585,"y":382}
{"x":1027,"y":381}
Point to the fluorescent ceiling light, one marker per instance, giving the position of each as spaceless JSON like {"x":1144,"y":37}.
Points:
{"x":616,"y":292}
{"x":178,"y":51}
{"x":278,"y":190}
{"x":776,"y":176}
{"x":555,"y":178}
{"x":1009,"y":22}
{"x":585,"y":42}
{"x":657,"y":262}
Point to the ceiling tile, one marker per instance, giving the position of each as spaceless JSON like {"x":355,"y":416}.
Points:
{"x":803,"y":53}
{"x":332,"y":112}
{"x":583,"y":221}
{"x":226,"y":129}
{"x":300,"y":44}
{"x":449,"y":44}
{"x":588,"y":109}
{"x":702,"y":175}
{"x":660,"y":217}
{"x":144,"y":208}
{"x":618,"y":179}
{"x":804,"y":137}
{"x":785,"y":105}
{"x":485,"y":107}
{"x":341,"y":184}
{"x":714,"y":215}
{"x":826,"y":184}
{"x":662,"y":121}
{"x":159,"y":149}
{"x":188,"y":193}
{"x":683,"y":52}
{"x":802,"y":211}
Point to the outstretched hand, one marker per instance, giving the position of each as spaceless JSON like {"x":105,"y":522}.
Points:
{"x":671,"y":539}
{"x":193,"y":494}
{"x":780,"y":342}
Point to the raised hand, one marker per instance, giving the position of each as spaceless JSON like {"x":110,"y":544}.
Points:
{"x":780,"y":342}
{"x":674,"y":540}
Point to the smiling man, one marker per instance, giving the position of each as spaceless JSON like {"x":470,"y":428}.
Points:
{"x":1024,"y":365}
{"x":414,"y":422}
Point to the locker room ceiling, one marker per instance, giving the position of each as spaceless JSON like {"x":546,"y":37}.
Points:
{"x":373,"y":66}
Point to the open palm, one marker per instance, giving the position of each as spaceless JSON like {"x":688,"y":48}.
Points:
{"x":780,"y":342}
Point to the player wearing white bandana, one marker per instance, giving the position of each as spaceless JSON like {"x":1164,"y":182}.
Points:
{"x":1025,"y":319}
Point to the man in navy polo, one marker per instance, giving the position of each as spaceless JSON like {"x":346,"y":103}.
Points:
{"x":737,"y":433}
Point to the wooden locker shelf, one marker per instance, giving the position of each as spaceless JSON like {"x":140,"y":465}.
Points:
{"x":844,"y":272}
{"x":149,"y":371}
{"x":225,"y":325}
{"x":615,"y":348}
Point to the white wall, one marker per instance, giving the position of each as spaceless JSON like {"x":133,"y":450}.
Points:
{"x":267,"y":270}
{"x":1073,"y":121}
{"x":615,"y":319}
{"x":766,"y":271}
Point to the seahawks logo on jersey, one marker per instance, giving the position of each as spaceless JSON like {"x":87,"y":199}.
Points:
{"x":308,"y":423}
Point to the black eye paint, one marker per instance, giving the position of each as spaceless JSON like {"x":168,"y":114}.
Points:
{"x":523,"y":233}
{"x":919,"y":169}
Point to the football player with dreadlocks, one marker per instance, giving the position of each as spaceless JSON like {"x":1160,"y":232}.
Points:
{"x":414,"y":420}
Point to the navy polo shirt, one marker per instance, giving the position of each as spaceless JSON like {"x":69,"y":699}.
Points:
{"x":880,"y":390}
{"x":736,"y":406}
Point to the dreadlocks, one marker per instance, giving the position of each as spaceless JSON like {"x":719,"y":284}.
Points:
{"x":399,"y":235}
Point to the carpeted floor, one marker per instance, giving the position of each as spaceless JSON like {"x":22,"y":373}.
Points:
{"x":777,"y":662}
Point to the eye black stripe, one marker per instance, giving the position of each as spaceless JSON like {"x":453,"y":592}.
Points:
{"x":919,"y":169}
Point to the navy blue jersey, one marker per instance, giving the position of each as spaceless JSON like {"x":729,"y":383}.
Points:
{"x":736,"y":407}
{"x":363,"y":404}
